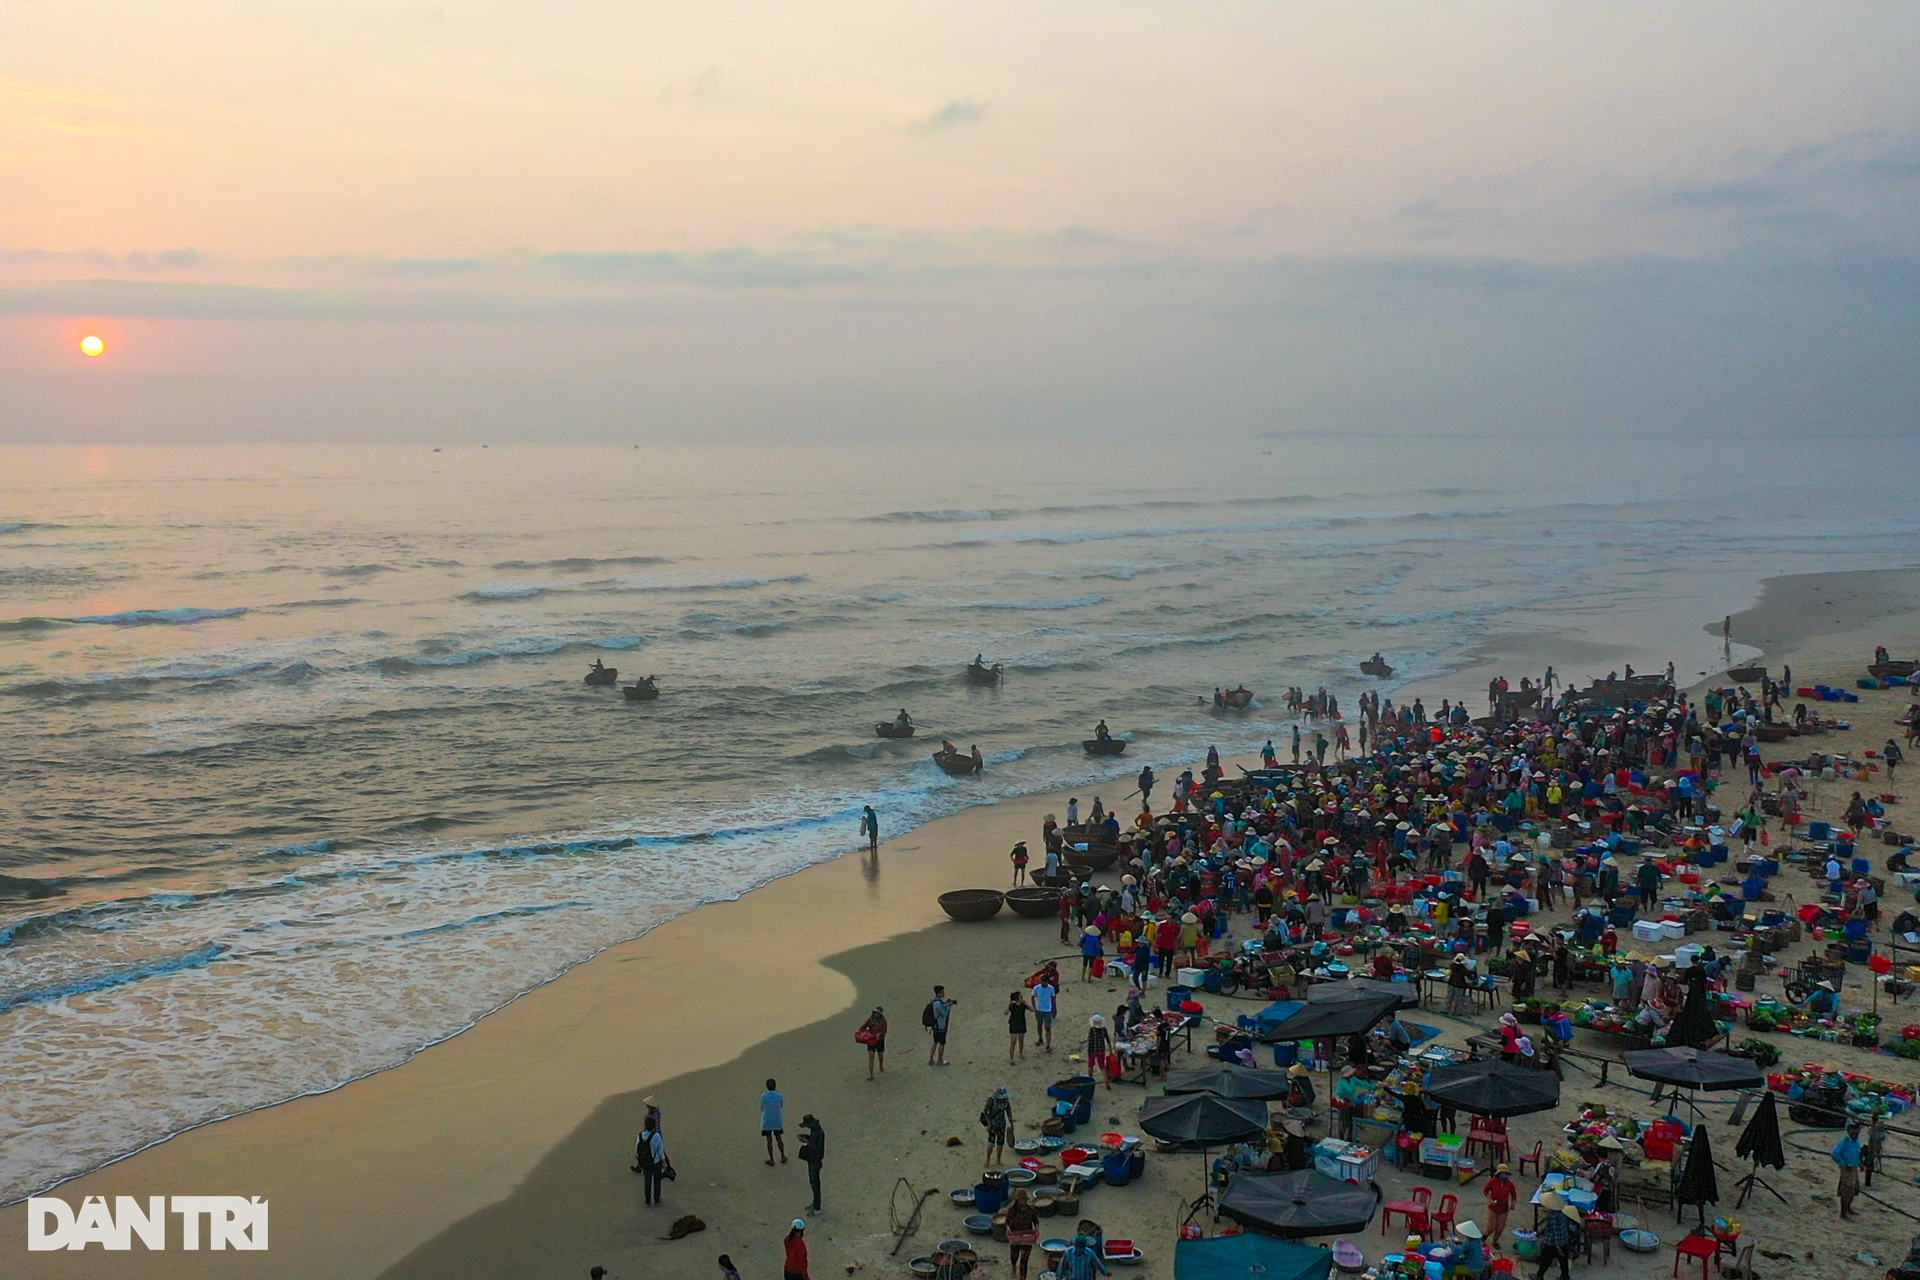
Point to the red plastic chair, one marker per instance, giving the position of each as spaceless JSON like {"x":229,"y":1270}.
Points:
{"x":1490,"y":1134}
{"x":1443,"y":1216}
{"x":1412,"y":1210}
{"x":1702,"y":1248}
{"x":1539,"y":1149}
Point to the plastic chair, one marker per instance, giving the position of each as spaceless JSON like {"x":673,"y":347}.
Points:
{"x":1443,"y":1215}
{"x":1703,"y":1248}
{"x":1536,"y":1159}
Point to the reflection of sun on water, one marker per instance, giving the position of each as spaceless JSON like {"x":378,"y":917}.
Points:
{"x":92,"y":346}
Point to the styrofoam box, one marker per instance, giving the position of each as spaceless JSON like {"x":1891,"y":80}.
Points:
{"x":1648,"y":931}
{"x":1192,"y":977}
{"x":1672,"y":929}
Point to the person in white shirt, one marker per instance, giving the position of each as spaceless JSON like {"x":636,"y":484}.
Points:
{"x":1045,"y":1001}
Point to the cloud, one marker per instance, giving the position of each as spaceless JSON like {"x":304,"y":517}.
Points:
{"x":958,"y":114}
{"x":1430,"y":220}
{"x":705,"y":85}
{"x":1865,"y":164}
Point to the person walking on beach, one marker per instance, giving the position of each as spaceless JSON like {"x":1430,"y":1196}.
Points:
{"x":1092,"y":953}
{"x":873,"y":1034}
{"x":1023,"y":1232}
{"x":813,"y":1153}
{"x":936,"y":1017}
{"x":870,"y":828}
{"x":773,"y":1124}
{"x":1502,"y":1195}
{"x":795,"y":1266}
{"x":1726,"y":637}
{"x":996,"y":1118}
{"x":650,"y":1158}
{"x":1046,"y":996}
{"x":1146,"y":781}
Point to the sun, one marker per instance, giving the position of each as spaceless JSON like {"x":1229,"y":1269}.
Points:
{"x":92,"y":346}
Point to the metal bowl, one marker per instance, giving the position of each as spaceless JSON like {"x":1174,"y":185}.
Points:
{"x":963,"y":1196}
{"x":924,"y":1268}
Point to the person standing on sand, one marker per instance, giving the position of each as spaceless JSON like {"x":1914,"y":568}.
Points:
{"x":650,"y":1158}
{"x":936,"y":1017}
{"x":870,"y":828}
{"x":1019,"y":858}
{"x":1092,"y":950}
{"x":996,"y":1118}
{"x":773,"y":1124}
{"x":795,"y":1265}
{"x":1046,"y":996}
{"x":1017,"y":1008}
{"x":813,"y":1153}
{"x":873,"y":1034}
{"x":1146,"y":781}
{"x":1846,"y":1155}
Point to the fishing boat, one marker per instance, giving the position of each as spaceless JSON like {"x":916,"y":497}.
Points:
{"x":641,"y":691}
{"x":1104,"y":746}
{"x":1376,"y":668}
{"x":1773,"y":732}
{"x":955,"y":763}
{"x":978,"y":673}
{"x":893,"y":729}
{"x":1236,"y":699}
{"x":1893,"y":667}
{"x":1746,"y":675}
{"x":602,"y":676}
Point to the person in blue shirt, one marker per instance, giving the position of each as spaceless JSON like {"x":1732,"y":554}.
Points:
{"x":1822,"y":999}
{"x":1082,"y":1261}
{"x":773,"y":1124}
{"x":1473,"y":1250}
{"x":1846,"y":1154}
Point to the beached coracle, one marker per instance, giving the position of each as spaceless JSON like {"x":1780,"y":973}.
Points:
{"x":957,"y":764}
{"x":972,"y":905}
{"x":893,"y":729}
{"x":1104,"y":746}
{"x":979,"y":674}
{"x":1035,"y":903}
{"x":1891,"y":667}
{"x":1747,"y":675}
{"x":1097,"y":857}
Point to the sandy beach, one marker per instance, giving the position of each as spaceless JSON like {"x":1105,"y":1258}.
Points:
{"x":504,"y":1152}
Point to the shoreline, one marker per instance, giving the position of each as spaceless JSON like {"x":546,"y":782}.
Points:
{"x":389,"y":1153}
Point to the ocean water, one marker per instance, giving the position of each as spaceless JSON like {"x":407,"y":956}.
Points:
{"x":300,"y":774}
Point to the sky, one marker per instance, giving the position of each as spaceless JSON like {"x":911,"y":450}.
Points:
{"x":741,"y":219}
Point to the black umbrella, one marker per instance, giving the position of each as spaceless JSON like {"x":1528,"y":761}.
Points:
{"x":1306,"y":1203}
{"x":1332,"y":1019}
{"x":1698,"y":1185}
{"x":1760,"y":1143}
{"x":1694,"y":1068}
{"x":1493,"y":1088}
{"x":1230,"y":1082}
{"x":1695,"y":1025}
{"x":1404,"y":993}
{"x":1203,"y":1119}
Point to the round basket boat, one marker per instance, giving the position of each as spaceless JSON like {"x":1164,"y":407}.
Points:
{"x":970,"y":905}
{"x":1034,"y":904}
{"x":1097,"y":856}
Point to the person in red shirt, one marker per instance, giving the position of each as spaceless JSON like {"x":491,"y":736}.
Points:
{"x":1502,"y":1195}
{"x":796,"y":1247}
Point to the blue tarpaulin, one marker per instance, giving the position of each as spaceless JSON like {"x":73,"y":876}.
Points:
{"x":1270,"y":1017}
{"x":1249,"y":1256}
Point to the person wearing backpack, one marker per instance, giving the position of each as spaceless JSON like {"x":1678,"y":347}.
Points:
{"x":935,"y":1018}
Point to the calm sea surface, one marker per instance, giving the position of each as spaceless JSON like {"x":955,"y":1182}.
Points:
{"x":300,"y":775}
